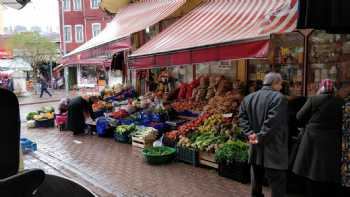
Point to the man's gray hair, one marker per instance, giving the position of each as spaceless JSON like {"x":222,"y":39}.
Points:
{"x":272,"y":77}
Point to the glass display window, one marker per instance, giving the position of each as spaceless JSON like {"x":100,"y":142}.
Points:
{"x":329,"y":58}
{"x":227,"y":68}
{"x":287,"y":53}
{"x":202,"y":69}
{"x":182,"y":73}
{"x":88,"y":75}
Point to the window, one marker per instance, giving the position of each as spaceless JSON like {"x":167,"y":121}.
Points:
{"x":66,"y":5}
{"x":77,"y":5}
{"x":96,"y":29}
{"x":95,"y":4}
{"x":67,"y":33}
{"x":79,"y":36}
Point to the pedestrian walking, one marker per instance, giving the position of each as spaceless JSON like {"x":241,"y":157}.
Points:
{"x":319,"y":156}
{"x":43,"y":87}
{"x":264,"y":119}
{"x":79,"y":108}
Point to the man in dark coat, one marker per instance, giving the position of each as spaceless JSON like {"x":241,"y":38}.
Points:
{"x":43,"y":86}
{"x":78,"y":109}
{"x":263,"y":118}
{"x":319,"y":155}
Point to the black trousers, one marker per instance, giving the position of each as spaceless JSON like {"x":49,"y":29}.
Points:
{"x":277,"y":180}
{"x":323,"y":189}
{"x":44,"y":90}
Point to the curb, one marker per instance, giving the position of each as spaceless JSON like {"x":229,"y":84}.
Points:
{"x":40,"y":102}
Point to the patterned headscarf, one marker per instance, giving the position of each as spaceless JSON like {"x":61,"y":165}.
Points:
{"x":326,"y":86}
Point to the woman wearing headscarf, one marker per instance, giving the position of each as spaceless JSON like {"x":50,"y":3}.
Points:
{"x":79,"y":109}
{"x":319,"y":156}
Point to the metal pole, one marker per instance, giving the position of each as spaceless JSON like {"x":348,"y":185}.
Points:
{"x":64,"y":51}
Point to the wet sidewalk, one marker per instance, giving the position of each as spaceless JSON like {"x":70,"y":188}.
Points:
{"x":113,"y":169}
{"x":33,"y":98}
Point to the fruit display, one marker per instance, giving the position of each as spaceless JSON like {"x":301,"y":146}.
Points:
{"x":119,"y":114}
{"x":98,"y":106}
{"x":172,"y":135}
{"x":211,"y":124}
{"x":146,"y":133}
{"x":186,"y":128}
{"x":44,"y":116}
{"x":182,"y":106}
{"x":223,"y":104}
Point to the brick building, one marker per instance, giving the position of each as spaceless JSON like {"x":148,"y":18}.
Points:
{"x":82,"y":21}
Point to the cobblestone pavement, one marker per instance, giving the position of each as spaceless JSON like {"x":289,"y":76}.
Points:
{"x":112,"y":169}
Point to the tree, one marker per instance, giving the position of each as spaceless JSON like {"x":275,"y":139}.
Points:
{"x":32,"y":47}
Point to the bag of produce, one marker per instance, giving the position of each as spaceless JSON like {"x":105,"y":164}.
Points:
{"x":31,"y":123}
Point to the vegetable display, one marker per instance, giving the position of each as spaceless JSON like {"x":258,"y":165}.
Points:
{"x":30,"y":115}
{"x":146,"y":133}
{"x":125,"y":129}
{"x":232,"y":151}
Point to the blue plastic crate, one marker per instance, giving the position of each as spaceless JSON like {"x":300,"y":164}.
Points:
{"x":28,"y":146}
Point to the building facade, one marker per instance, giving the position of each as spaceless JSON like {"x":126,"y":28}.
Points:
{"x":83,"y":19}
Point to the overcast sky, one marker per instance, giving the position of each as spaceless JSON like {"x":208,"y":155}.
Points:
{"x":43,"y":13}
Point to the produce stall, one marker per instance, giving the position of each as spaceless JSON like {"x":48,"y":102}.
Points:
{"x":43,"y":118}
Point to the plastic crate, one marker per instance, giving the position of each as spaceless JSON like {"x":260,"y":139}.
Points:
{"x":122,"y":138}
{"x":125,"y":121}
{"x":45,"y":123}
{"x":238,"y":171}
{"x":99,"y":113}
{"x":28,"y":146}
{"x":187,"y":155}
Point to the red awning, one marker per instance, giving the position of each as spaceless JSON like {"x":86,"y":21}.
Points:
{"x":219,"y":30}
{"x":98,"y":61}
{"x":132,"y":18}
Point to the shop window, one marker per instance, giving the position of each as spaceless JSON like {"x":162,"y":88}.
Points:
{"x":288,"y":56}
{"x":228,"y":69}
{"x":202,"y":69}
{"x":88,"y":75}
{"x":182,"y":73}
{"x":329,"y":58}
{"x":151,"y":32}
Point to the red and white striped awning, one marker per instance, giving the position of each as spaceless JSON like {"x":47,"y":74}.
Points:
{"x":220,"y":22}
{"x":132,"y":18}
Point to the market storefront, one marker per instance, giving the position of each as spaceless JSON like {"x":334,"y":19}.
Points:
{"x":119,"y":37}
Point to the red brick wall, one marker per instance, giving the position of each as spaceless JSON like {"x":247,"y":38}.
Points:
{"x":85,"y":17}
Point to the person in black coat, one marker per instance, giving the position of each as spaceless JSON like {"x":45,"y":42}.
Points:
{"x":319,"y":155}
{"x":43,"y":86}
{"x":264,"y":119}
{"x":78,"y":109}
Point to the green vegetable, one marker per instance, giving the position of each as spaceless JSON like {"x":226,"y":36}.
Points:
{"x":232,"y":151}
{"x":30,"y":115}
{"x":158,"y":151}
{"x":48,"y":109}
{"x":125,"y":129}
